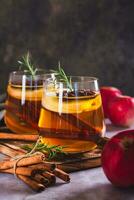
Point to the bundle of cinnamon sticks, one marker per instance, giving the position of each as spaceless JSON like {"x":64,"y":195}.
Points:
{"x":33,"y":170}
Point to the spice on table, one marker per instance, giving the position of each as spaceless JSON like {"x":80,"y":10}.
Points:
{"x":62,"y":175}
{"x":33,"y":171}
{"x":38,"y":187}
{"x":26,"y":171}
{"x":49,"y":176}
{"x":23,"y":162}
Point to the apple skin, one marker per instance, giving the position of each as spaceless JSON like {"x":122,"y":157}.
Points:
{"x":121,"y":111}
{"x":118,"y":159}
{"x":108,"y":94}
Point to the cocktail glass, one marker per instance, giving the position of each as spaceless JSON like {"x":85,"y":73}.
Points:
{"x":71,"y":117}
{"x":24,"y":94}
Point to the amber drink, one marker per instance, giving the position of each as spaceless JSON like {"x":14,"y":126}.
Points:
{"x":24,"y":101}
{"x":71,"y":117}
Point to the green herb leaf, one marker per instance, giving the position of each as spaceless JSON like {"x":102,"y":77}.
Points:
{"x":50,"y":151}
{"x":60,"y":75}
{"x":27,"y":64}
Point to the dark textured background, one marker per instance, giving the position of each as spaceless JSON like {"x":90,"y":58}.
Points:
{"x":89,"y":37}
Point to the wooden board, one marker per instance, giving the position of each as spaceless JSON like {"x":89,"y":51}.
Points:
{"x":74,"y":162}
{"x":85,"y":161}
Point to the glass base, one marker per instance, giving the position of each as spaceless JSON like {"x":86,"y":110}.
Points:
{"x":71,"y":146}
{"x":18,"y":126}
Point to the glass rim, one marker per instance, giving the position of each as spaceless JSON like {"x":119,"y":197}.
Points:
{"x":21,"y":73}
{"x":82,"y":79}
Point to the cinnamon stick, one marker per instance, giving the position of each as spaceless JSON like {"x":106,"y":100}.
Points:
{"x":62,"y":175}
{"x":38,"y":187}
{"x":23,"y":162}
{"x":85,"y":130}
{"x":41,"y":179}
{"x":14,"y":147}
{"x":11,"y":136}
{"x":77,"y":122}
{"x":49,"y":176}
{"x":26,"y":171}
{"x":9,"y":151}
{"x":44,"y":166}
{"x":75,"y":135}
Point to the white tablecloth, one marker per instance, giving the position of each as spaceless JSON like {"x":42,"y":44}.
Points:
{"x":85,"y":185}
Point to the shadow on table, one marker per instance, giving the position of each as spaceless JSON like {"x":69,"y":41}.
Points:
{"x":112,"y":128}
{"x":104,"y":192}
{"x":13,"y":188}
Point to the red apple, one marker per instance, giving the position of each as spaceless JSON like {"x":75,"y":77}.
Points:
{"x":118,"y":159}
{"x":108,"y":94}
{"x":121,"y":111}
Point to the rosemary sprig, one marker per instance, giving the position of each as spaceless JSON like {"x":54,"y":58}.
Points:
{"x":27,"y":64}
{"x":50,"y":151}
{"x":60,"y":75}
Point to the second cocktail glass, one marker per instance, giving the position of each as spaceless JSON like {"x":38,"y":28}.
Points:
{"x":24,"y":94}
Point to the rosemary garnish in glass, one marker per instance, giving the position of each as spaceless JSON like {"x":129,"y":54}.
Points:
{"x":60,"y":75}
{"x":26,"y":63}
